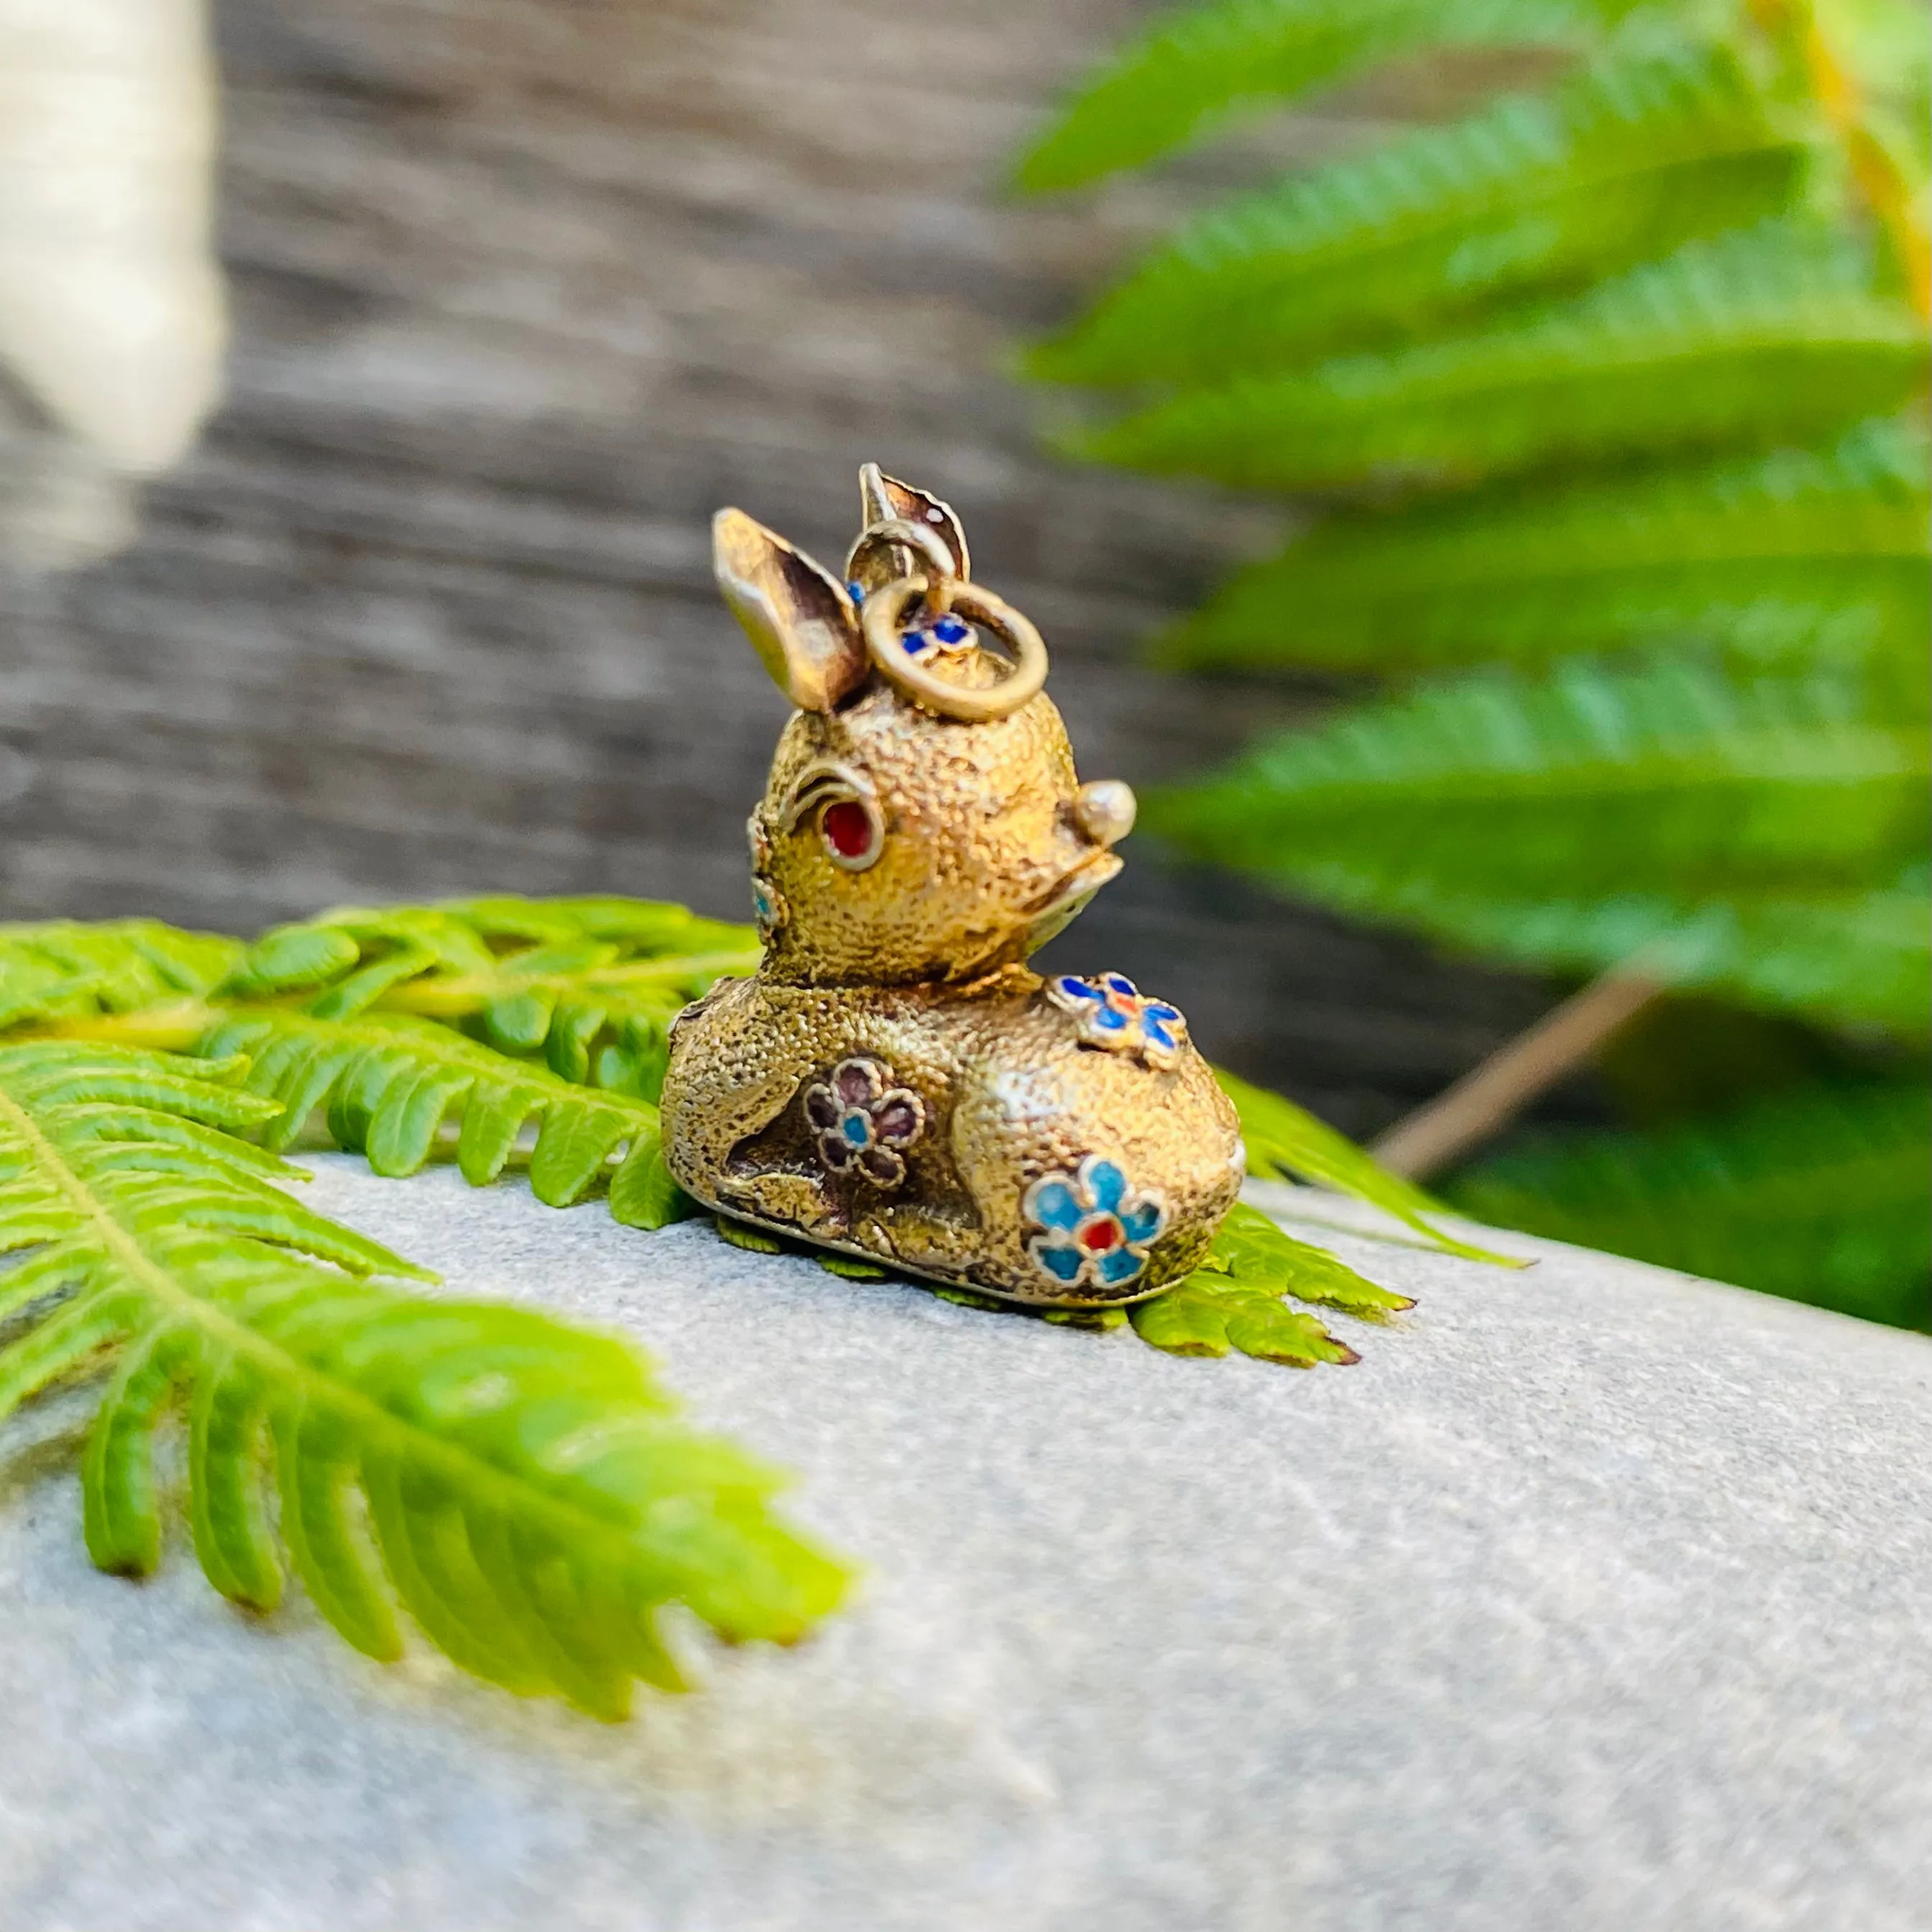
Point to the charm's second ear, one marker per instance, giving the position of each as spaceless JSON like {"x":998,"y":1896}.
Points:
{"x":798,"y":616}
{"x":881,"y":497}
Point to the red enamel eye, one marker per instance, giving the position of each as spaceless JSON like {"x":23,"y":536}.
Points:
{"x":847,"y":828}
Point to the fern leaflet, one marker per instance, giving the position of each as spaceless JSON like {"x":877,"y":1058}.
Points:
{"x":1822,"y":1194}
{"x":312,"y":1019}
{"x":590,"y":983}
{"x":63,"y":971}
{"x":1753,"y":338}
{"x":1622,"y":468}
{"x":1234,"y":1300}
{"x":1287,"y":1142}
{"x":1192,"y":69}
{"x":1671,"y":776}
{"x":1650,"y":147}
{"x":1851,"y":958}
{"x":528,"y":1493}
{"x":1782,"y":560}
{"x":387,"y":1082}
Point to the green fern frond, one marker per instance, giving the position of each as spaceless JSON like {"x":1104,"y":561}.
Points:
{"x":1857,"y":959}
{"x":388,"y":1082}
{"x":1234,"y":1301}
{"x":1824,"y":1194}
{"x":1671,"y":777}
{"x":644,"y":1195}
{"x":1766,"y":335}
{"x":1885,"y":44}
{"x":1650,"y":147}
{"x":465,"y":956}
{"x":849,"y":1268}
{"x":640,"y":959}
{"x":1793,"y":558}
{"x":1748,"y":821}
{"x":529,"y":1494}
{"x":1284,"y":1141}
{"x":62,"y":970}
{"x":500,"y":942}
{"x":1208,"y":1314}
{"x":591,"y":984}
{"x":1249,"y":1247}
{"x":1192,"y":69}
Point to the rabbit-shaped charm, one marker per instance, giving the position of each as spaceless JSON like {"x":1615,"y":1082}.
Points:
{"x":892,"y":1082}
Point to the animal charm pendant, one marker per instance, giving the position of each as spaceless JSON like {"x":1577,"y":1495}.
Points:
{"x":893,"y":1081}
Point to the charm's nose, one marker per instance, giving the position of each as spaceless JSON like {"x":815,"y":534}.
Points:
{"x":1104,"y":810}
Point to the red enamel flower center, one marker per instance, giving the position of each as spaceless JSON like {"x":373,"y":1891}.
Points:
{"x":847,"y":828}
{"x":1100,"y":1234}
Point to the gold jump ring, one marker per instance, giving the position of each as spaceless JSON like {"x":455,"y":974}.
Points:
{"x":881,"y":613}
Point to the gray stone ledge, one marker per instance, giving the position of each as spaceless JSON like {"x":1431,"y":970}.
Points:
{"x":1595,"y":1597}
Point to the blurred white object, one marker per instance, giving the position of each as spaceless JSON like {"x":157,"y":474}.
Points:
{"x":112,"y":318}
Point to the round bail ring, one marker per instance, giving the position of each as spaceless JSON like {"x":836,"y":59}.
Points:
{"x":881,"y":613}
{"x":901,"y":533}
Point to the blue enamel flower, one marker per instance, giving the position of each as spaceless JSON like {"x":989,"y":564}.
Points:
{"x":945,"y":633}
{"x":1095,"y":1230}
{"x":1112,"y":1013}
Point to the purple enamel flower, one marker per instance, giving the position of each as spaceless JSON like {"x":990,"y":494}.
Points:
{"x":863,"y":1123}
{"x":1113,"y":1014}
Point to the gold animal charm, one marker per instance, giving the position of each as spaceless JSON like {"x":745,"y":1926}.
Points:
{"x":893,"y":1081}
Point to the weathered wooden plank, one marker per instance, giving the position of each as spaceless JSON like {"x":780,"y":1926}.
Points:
{"x":524,"y":288}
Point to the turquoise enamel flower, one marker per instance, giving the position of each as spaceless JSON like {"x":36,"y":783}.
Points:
{"x":1094,"y":1229}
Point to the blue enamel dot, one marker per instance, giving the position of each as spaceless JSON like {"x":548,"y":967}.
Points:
{"x":1075,"y":989}
{"x":949,"y":630}
{"x":1124,"y":987}
{"x":858,"y":591}
{"x":913,"y":640}
{"x":856,"y":1129}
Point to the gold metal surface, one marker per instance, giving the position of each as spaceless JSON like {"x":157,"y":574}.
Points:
{"x":883,"y":498}
{"x":893,"y":1081}
{"x":896,"y":536}
{"x":879,"y":616}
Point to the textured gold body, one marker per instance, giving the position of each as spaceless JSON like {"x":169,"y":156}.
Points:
{"x":905,"y":960}
{"x":1010,"y":1094}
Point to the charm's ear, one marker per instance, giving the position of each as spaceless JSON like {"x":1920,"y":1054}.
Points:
{"x":798,"y":616}
{"x":883,"y":499}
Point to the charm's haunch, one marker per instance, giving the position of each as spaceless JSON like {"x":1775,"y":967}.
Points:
{"x":893,"y":1080}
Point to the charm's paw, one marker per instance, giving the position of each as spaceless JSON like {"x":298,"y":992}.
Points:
{"x":1234,"y":1301}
